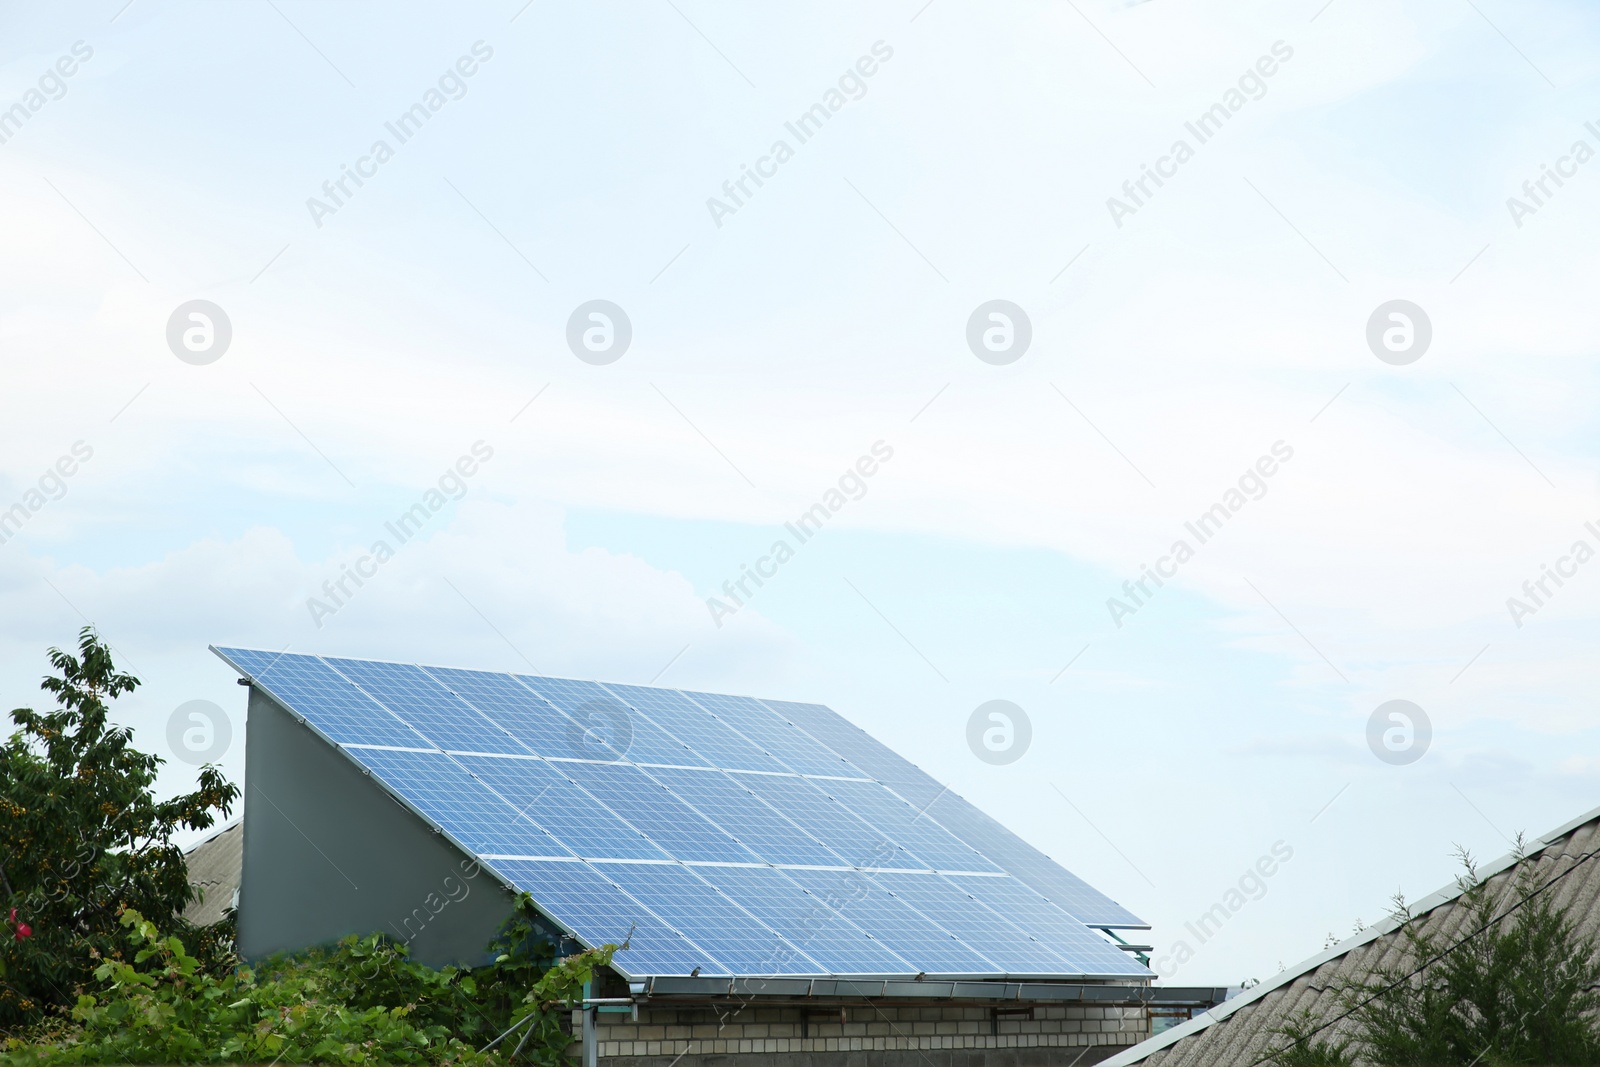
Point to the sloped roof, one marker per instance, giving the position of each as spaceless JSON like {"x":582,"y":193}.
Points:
{"x":214,"y":866}
{"x":1241,"y":1031}
{"x":717,"y":835}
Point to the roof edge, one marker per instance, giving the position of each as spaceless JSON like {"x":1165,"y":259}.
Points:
{"x":1387,"y":925}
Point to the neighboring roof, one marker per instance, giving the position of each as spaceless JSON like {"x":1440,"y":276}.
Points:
{"x":1241,"y":1031}
{"x":719,"y":835}
{"x":214,"y":867}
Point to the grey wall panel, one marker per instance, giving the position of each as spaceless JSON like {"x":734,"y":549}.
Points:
{"x":328,"y":853}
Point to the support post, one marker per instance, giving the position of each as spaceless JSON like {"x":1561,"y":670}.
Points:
{"x":591,"y":1046}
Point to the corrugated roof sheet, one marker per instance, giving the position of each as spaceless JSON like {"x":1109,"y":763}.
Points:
{"x":1241,"y":1032}
{"x":214,"y":866}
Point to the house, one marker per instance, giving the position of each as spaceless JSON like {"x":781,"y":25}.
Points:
{"x":788,"y":888}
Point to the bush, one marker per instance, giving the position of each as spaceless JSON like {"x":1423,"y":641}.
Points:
{"x":360,"y":1001}
{"x":1518,"y":986}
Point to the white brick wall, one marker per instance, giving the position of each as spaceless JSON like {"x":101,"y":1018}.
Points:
{"x":769,"y":1030}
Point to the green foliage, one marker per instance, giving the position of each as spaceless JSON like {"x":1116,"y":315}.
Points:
{"x":361,"y":1001}
{"x":82,"y":837}
{"x":1514,"y":983}
{"x":1301,"y":1045}
{"x":1520,"y":989}
{"x":97,"y":888}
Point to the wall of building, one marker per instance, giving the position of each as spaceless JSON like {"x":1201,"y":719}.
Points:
{"x":327,"y":852}
{"x":872,"y":1035}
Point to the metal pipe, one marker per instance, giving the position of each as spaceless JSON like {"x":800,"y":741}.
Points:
{"x":591,"y":1046}
{"x":502,"y":1037}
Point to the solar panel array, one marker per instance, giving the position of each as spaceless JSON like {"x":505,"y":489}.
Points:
{"x":722,"y":834}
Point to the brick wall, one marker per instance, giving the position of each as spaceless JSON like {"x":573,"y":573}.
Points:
{"x":765,"y":1032}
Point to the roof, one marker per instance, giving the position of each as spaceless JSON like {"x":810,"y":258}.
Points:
{"x":1241,"y":1031}
{"x":214,"y":867}
{"x":718,"y":835}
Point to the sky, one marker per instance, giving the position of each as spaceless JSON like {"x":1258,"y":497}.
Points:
{"x":1347,"y":323}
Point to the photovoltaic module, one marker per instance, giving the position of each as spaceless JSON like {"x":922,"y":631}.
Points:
{"x":720,"y":834}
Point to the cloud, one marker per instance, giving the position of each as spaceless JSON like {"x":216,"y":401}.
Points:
{"x":497,"y":586}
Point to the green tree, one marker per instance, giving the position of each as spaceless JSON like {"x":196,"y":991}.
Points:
{"x":83,"y":837}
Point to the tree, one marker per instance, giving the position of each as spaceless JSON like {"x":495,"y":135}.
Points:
{"x":82,"y":837}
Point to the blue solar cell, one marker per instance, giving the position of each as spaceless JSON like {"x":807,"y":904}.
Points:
{"x":331,"y":703}
{"x":871,"y":907}
{"x":920,"y":835}
{"x":1045,"y":922}
{"x":807,"y":922}
{"x":958,"y":816}
{"x":824,"y":818}
{"x":251,"y":661}
{"x":529,"y":718}
{"x":1004,"y":942}
{"x":744,"y":815}
{"x":608,"y":729}
{"x":686,"y":902}
{"x":599,"y":913}
{"x":862,"y":749}
{"x":663,"y":818}
{"x":430,"y":709}
{"x":448,"y":795}
{"x":1030,"y":866}
{"x":779,"y":738}
{"x":543,"y":797}
{"x":694,"y":727}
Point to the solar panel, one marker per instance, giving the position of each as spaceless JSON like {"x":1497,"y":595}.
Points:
{"x":666,"y":820}
{"x":1030,"y":866}
{"x":464,"y":807}
{"x":1008,"y":945}
{"x":545,"y":797}
{"x":598,"y":912}
{"x":736,"y":836}
{"x":606,"y":728}
{"x":1041,"y":919}
{"x":956,"y":815}
{"x":738,"y":939}
{"x":757,"y":825}
{"x":922,"y":837}
{"x":806,"y":921}
{"x":344,"y":714}
{"x":696,"y":728}
{"x":863,"y":750}
{"x":861,"y":899}
{"x":533,"y":721}
{"x":426,"y":706}
{"x":830,"y":822}
{"x":794,"y":749}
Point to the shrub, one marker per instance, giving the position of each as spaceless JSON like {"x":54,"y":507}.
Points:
{"x":1518,"y":985}
{"x":360,"y":1001}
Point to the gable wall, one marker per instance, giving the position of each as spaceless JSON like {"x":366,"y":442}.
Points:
{"x":327,"y":852}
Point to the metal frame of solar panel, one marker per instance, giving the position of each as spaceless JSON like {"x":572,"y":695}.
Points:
{"x":717,"y":835}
